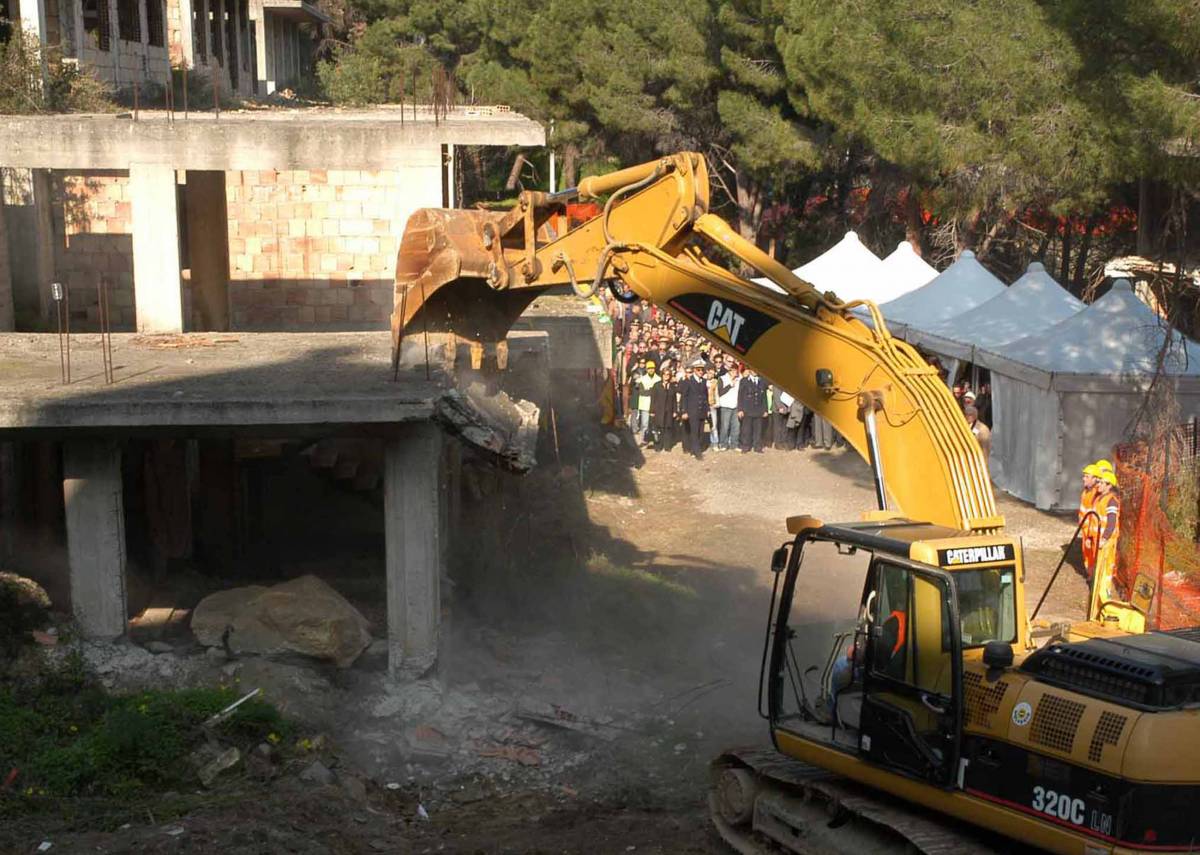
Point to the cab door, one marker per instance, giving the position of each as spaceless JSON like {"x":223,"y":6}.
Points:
{"x":912,"y":676}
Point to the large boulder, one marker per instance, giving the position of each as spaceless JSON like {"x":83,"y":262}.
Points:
{"x":303,"y":615}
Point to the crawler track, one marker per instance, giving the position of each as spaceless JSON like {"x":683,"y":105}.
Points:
{"x":763,"y":802}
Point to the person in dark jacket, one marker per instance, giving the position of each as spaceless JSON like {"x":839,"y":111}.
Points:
{"x":662,"y":409}
{"x":693,"y":408}
{"x":752,"y":411}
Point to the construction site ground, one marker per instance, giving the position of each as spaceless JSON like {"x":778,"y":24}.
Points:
{"x":588,"y":677}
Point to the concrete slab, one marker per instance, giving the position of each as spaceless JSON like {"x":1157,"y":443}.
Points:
{"x":280,"y":381}
{"x":310,"y":138}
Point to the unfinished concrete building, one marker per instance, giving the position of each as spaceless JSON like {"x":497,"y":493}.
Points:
{"x":247,"y":47}
{"x":230,"y":450}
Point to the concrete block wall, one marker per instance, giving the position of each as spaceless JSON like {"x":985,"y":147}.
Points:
{"x":313,"y":249}
{"x":94,"y":237}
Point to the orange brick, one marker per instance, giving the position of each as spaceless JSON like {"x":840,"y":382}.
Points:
{"x":329,"y":263}
{"x":318,"y":176}
{"x":293,"y":263}
{"x":249,"y":179}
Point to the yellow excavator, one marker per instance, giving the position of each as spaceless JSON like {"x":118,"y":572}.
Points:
{"x":912,"y":703}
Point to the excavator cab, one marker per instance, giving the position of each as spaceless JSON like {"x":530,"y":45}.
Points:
{"x":869,"y":630}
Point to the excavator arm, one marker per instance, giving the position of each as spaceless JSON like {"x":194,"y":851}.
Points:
{"x":469,"y":275}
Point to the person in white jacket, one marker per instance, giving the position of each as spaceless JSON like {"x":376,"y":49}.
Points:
{"x":728,"y":426}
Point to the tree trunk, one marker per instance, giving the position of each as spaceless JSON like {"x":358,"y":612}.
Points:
{"x":914,"y":226}
{"x":1043,"y":247}
{"x":570,"y":165}
{"x":514,"y":174}
{"x":1080,"y":282}
{"x":749,"y":201}
{"x":1064,"y":267}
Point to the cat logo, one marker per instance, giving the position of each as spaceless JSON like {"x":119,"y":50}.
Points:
{"x":735,"y":326}
{"x":724,"y":323}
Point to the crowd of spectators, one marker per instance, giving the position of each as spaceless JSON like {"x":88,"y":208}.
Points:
{"x":674,"y":388}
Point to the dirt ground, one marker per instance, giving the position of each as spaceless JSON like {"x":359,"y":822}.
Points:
{"x":647,"y":649}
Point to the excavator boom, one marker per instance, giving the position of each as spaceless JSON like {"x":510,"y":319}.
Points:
{"x":468,"y":275}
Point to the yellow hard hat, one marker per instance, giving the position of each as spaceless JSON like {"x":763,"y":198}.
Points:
{"x":1108,"y":476}
{"x":650,"y":363}
{"x":1091,"y":469}
{"x":1105,"y":464}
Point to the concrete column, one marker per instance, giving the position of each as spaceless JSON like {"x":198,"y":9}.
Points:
{"x":412,"y":523}
{"x":262,"y":86}
{"x":43,"y":260}
{"x":208,"y":247}
{"x":32,"y":19}
{"x":8,"y":317}
{"x":95,"y":535}
{"x":158,"y":296}
{"x":234,"y":58}
{"x":187,"y":41}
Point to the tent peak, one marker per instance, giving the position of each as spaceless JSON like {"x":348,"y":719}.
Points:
{"x":1035,"y":267}
{"x":966,"y":253}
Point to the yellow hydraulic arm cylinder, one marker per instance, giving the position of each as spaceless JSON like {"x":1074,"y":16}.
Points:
{"x":471,"y":273}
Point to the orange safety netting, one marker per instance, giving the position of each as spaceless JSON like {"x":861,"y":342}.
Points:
{"x":1159,"y":517}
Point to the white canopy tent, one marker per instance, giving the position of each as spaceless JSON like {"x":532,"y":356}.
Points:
{"x":849,"y":270}
{"x":962,"y":286}
{"x":906,"y":270}
{"x":1065,"y":396}
{"x":1029,"y":305}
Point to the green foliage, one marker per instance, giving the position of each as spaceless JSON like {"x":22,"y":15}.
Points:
{"x":382,"y":66}
{"x":63,"y":89}
{"x":975,"y":112}
{"x":67,"y":737}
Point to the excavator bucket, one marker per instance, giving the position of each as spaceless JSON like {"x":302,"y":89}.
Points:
{"x":442,"y":275}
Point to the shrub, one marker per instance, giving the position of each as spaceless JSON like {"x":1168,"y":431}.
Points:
{"x":68,"y":738}
{"x":65,"y":88}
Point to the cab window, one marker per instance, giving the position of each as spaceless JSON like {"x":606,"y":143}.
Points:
{"x":987,"y":605}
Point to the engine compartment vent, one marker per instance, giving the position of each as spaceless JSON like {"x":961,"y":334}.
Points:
{"x":1055,"y":722}
{"x":1108,"y":732}
{"x":982,"y":700}
{"x":1152,"y":671}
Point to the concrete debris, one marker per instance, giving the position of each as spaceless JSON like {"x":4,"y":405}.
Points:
{"x":317,"y":773}
{"x":45,"y":639}
{"x":303,"y":615}
{"x":408,"y":701}
{"x":516,"y":753}
{"x":504,"y":430}
{"x":159,"y":647}
{"x":211,"y":768}
{"x":557,"y":716}
{"x":613,"y":440}
{"x":128,"y":667}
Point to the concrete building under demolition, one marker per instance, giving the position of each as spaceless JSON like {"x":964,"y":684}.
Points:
{"x":215,"y":441}
{"x":245,"y":47}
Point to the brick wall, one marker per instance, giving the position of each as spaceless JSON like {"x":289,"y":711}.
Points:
{"x":308,"y":249}
{"x":92,"y":223}
{"x":315,"y":248}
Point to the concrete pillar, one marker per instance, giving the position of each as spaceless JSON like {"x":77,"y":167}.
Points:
{"x":8,"y":315}
{"x":95,"y":535}
{"x":412,"y":522}
{"x":262,"y":86}
{"x":43,"y":258}
{"x":32,"y":19}
{"x":187,"y":41}
{"x":157,"y":293}
{"x":208,"y":247}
